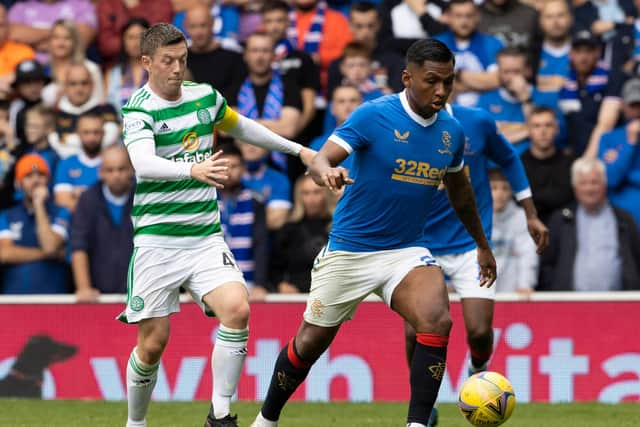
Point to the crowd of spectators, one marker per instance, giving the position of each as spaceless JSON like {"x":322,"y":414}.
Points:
{"x":561,"y":78}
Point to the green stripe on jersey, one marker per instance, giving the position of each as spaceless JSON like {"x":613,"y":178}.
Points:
{"x":175,"y":138}
{"x":175,"y":208}
{"x":179,"y":230}
{"x":208,"y":100}
{"x":144,"y":187}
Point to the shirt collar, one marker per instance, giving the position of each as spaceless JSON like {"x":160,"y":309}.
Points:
{"x":414,"y":116}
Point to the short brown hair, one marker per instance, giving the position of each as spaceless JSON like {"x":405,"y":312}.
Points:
{"x":356,"y":49}
{"x":160,"y":35}
{"x":40,"y":110}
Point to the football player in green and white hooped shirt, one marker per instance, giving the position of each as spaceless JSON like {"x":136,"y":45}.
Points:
{"x":168,"y":131}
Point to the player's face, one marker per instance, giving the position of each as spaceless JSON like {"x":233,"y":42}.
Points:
{"x":314,"y":199}
{"x":90,"y":132}
{"x":166,"y":69}
{"x":555,"y":20}
{"x":428,"y":86}
{"x":364,"y":26}
{"x":501,"y":194}
{"x":116,"y":171}
{"x":259,"y":54}
{"x":345,"y":100}
{"x":463,"y":19}
{"x":590,"y":189}
{"x":275,"y":23}
{"x":543,"y":130}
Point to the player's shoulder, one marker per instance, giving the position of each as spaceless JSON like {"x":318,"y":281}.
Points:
{"x":138,"y":100}
{"x":386,"y":105}
{"x":197,"y":89}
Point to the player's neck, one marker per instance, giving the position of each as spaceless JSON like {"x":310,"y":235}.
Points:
{"x":166,"y":96}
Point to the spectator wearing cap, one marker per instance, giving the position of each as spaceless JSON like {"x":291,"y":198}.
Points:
{"x":32,"y":235}
{"x":31,"y":21}
{"x":590,"y":97}
{"x":619,"y":151}
{"x":593,"y":246}
{"x":30,"y":80}
{"x":11,"y":54}
{"x":102,"y":231}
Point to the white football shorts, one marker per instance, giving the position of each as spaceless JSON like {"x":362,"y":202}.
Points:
{"x":462,"y":273}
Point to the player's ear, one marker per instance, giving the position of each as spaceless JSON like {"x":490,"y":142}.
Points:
{"x":146,"y":62}
{"x":406,"y":78}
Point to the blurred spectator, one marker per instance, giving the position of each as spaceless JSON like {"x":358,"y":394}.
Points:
{"x":513,"y":248}
{"x":406,"y":21}
{"x":114,"y":14}
{"x":7,"y":142}
{"x":65,"y":49}
{"x":205,"y":51}
{"x":78,"y":172}
{"x":319,"y":31}
{"x":31,"y":21}
{"x":511,"y":103}
{"x":101,"y":230}
{"x":594,"y":246}
{"x":225,"y":17}
{"x":290,"y":62}
{"x":273,"y":186}
{"x":11,"y":54}
{"x":590,"y":97}
{"x":344,"y":100}
{"x":76,"y":100}
{"x":30,"y":80}
{"x":300,"y":240}
{"x":364,"y":21}
{"x":513,"y":22}
{"x":553,"y":57}
{"x":127,"y":74}
{"x":264,"y":95}
{"x":242,"y":215}
{"x":475,"y":52}
{"x":357,"y":68}
{"x":618,"y":149}
{"x":32,"y":235}
{"x":547,"y":167}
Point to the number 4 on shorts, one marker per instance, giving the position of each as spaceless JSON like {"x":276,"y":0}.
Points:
{"x":227,"y":259}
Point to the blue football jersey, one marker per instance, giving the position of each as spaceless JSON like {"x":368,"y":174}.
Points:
{"x":76,"y":172}
{"x":444,"y":233}
{"x":399,"y":160}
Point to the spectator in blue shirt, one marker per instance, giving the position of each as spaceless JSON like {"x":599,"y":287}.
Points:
{"x":32,"y":235}
{"x":80,"y":171}
{"x":272,"y":185}
{"x":476,"y":69}
{"x":619,"y":151}
{"x":101,"y":230}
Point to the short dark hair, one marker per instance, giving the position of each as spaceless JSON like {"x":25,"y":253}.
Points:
{"x":429,"y":50}
{"x":91,"y":114}
{"x":363,"y":7}
{"x":230,"y":148}
{"x":496,"y":175}
{"x":160,"y":35}
{"x":356,"y":49}
{"x":454,"y":2}
{"x":542,"y":109}
{"x":272,"y":5}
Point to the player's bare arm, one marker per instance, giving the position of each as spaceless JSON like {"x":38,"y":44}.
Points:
{"x":538,"y":231}
{"x":322,"y":168}
{"x":463,"y":203}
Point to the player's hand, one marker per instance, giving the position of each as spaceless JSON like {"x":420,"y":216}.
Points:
{"x":539,"y":233}
{"x":87,"y":295}
{"x":212,"y":171}
{"x":306,"y":156}
{"x":40,"y":195}
{"x":487,"y":264}
{"x":334,"y":178}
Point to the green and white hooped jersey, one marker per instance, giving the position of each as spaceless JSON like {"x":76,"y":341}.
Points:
{"x":175,"y":213}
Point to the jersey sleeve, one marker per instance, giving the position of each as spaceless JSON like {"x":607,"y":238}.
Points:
{"x":62,"y":179}
{"x":501,"y":152}
{"x":280,"y":193}
{"x":352,"y":134}
{"x":61,"y":222}
{"x":137,"y":125}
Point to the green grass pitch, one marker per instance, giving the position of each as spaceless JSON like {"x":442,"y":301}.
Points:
{"x":29,"y":413}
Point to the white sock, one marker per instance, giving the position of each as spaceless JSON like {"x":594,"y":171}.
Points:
{"x":263,"y":422}
{"x":416,"y":425}
{"x":141,"y":378}
{"x":227,"y":359}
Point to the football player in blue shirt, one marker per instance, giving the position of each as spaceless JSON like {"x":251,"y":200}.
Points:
{"x":454,"y":249}
{"x":404,"y":145}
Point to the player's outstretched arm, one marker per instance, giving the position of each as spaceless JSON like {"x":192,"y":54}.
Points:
{"x":538,"y":231}
{"x":463,"y":203}
{"x":322,"y":171}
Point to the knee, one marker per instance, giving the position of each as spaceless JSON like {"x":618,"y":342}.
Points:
{"x":236,"y":314}
{"x":151,"y":348}
{"x":437,"y":323}
{"x":480,"y":333}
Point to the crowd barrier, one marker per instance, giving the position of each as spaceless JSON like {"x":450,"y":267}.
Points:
{"x":556,"y":347}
